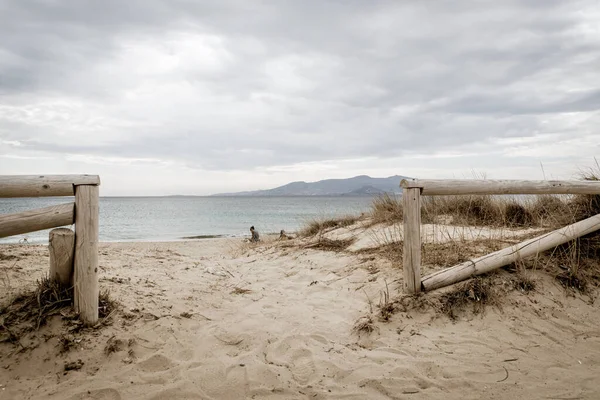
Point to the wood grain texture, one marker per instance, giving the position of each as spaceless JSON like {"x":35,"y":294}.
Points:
{"x":85,"y":278}
{"x":437,"y":187}
{"x":36,"y":220}
{"x":411,"y":264}
{"x":43,"y":185}
{"x":61,"y":246}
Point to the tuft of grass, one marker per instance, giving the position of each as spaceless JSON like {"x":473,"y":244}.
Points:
{"x":330,"y":244}
{"x":386,"y":306}
{"x":551,"y":211}
{"x":524,"y":283}
{"x":386,"y":209}
{"x":586,"y":206}
{"x":464,"y":210}
{"x":572,"y":267}
{"x":239,"y":290}
{"x":319,"y":226}
{"x":475,"y":294}
{"x":30,"y":310}
{"x":517,"y":215}
{"x":365,"y":325}
{"x":106,"y":305}
{"x":113,"y":345}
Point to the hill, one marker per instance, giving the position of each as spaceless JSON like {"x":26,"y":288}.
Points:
{"x":357,"y":186}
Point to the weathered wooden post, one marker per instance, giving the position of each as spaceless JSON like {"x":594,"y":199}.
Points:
{"x":85,"y":279}
{"x":85,"y":215}
{"x":61,"y":245}
{"x":411,"y":201}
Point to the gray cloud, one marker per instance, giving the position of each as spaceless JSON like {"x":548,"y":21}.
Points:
{"x":222,"y":85}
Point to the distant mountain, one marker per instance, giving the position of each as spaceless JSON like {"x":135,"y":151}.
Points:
{"x":357,"y":186}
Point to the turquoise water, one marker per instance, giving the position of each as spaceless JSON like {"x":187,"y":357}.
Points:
{"x":173,"y":218}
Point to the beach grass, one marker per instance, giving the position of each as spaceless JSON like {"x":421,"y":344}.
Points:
{"x":575,"y":265}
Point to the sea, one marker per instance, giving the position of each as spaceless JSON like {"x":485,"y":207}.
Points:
{"x":124,"y":219}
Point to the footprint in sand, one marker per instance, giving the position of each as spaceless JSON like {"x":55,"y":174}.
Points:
{"x":303,"y":366}
{"x":100,"y":394}
{"x":293,"y":353}
{"x":155,"y":363}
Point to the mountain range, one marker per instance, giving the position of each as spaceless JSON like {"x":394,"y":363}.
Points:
{"x":357,"y":186}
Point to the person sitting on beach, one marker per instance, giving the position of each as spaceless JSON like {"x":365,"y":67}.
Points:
{"x":283,"y":236}
{"x":254,"y":233}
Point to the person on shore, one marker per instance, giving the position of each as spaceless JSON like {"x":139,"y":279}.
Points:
{"x":255,"y":237}
{"x":283,"y":236}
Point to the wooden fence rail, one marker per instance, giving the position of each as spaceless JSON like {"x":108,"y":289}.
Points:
{"x":413,"y":190}
{"x":37,"y":220}
{"x":81,"y":253}
{"x":449,"y":187}
{"x":43,"y":185}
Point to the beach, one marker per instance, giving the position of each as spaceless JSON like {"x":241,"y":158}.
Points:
{"x":225,"y":319}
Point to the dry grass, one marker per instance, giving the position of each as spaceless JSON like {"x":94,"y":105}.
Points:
{"x":450,"y":253}
{"x":464,"y":210}
{"x":386,"y":305}
{"x":107,"y":306}
{"x":442,"y":254}
{"x":364,"y":325}
{"x":386,"y":209}
{"x":113,"y":345}
{"x":587,"y":205}
{"x":524,"y":283}
{"x":461,"y":300}
{"x":517,"y":215}
{"x":330,"y":244}
{"x":239,"y":290}
{"x":30,"y":310}
{"x":473,"y":295}
{"x":316,"y":227}
{"x":575,"y":265}
{"x":551,"y":211}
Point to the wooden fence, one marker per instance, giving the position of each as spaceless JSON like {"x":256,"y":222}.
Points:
{"x":413,"y":190}
{"x":73,"y":256}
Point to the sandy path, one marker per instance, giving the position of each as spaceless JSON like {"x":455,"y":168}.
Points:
{"x":291,"y":336}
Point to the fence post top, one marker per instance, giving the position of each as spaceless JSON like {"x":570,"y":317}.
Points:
{"x":410,"y":183}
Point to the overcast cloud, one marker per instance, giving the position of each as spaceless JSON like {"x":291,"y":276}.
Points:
{"x":195,"y":97}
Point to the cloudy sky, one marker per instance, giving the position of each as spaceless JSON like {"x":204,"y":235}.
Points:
{"x":196,"y":97}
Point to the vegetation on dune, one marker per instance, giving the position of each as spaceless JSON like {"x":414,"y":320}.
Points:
{"x":319,"y":226}
{"x":386,"y":209}
{"x":575,"y":265}
{"x":30,"y":310}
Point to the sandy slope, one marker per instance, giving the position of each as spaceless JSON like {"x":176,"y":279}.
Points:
{"x":291,"y":336}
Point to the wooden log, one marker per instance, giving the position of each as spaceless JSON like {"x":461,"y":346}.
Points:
{"x":36,"y":220}
{"x":43,"y":185}
{"x":61,"y":245}
{"x":531,"y":247}
{"x":411,"y":265}
{"x":85,"y":280}
{"x":437,"y":187}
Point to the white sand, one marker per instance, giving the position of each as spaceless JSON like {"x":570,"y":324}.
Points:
{"x":291,"y":336}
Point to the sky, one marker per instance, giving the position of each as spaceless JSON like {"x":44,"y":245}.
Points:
{"x":163,"y":97}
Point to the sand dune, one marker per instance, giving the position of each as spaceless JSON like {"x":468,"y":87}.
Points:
{"x":214,"y":319}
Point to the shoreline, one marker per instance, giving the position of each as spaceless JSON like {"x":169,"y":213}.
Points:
{"x":154,"y":240}
{"x":133,"y":241}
